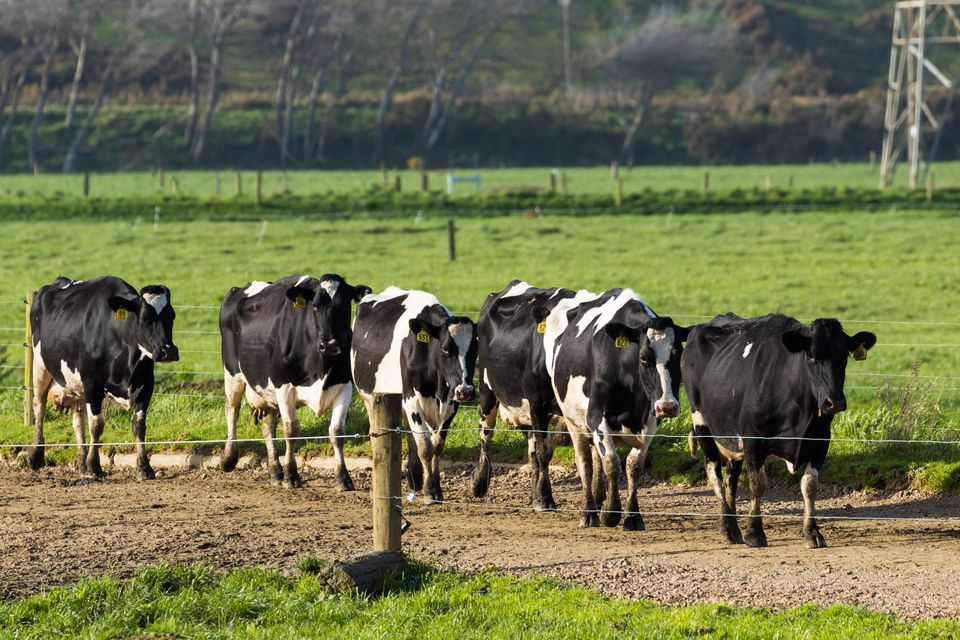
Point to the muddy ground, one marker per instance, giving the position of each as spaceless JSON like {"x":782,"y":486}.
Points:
{"x":54,"y":530}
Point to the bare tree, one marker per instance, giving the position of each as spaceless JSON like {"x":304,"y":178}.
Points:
{"x":88,"y":11}
{"x":193,"y":26}
{"x":668,"y":47}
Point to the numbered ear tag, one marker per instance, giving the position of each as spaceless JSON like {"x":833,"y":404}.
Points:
{"x":120,"y":314}
{"x":621,"y":342}
{"x":423,"y":336}
{"x":860,"y":353}
{"x":542,"y":327}
{"x":299,"y":302}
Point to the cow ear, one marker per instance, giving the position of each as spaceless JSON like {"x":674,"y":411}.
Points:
{"x":795,"y":342}
{"x":361,"y":290}
{"x":130,"y":303}
{"x":418,"y":327}
{"x":539,"y":313}
{"x":681,"y":333}
{"x":859,"y":344}
{"x":618,"y":331}
{"x":300,"y":296}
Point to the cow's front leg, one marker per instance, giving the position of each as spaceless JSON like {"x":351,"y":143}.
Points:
{"x":425,"y":452}
{"x":541,"y":452}
{"x":603,"y":442}
{"x":138,"y":424}
{"x":41,"y":387}
{"x":636,"y":461}
{"x":287,"y":400}
{"x":233,"y":387}
{"x":580,"y":439}
{"x":757,"y":475}
{"x":269,"y":429}
{"x":812,"y":539}
{"x":78,"y":416}
{"x":338,"y":418}
{"x":488,"y":420}
{"x":95,"y":423}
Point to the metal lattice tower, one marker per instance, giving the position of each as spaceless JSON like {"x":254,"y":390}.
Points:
{"x":910,"y":123}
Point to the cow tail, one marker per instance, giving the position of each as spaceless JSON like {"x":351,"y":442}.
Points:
{"x":692,"y":443}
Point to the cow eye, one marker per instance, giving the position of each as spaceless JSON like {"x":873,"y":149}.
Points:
{"x":446,"y":351}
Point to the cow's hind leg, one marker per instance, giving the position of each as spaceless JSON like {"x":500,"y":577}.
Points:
{"x":582,"y":454}
{"x":269,"y":429}
{"x":95,"y":423}
{"x":233,"y":387}
{"x":604,"y":445}
{"x":287,"y":401}
{"x":338,"y":418}
{"x":488,"y":420}
{"x":79,"y":419}
{"x":812,"y":539}
{"x":541,"y":452}
{"x":755,"y":536}
{"x":138,"y":424}
{"x":41,"y":387}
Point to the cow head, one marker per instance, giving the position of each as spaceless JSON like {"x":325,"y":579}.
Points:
{"x":660,"y":345}
{"x":825,"y":346}
{"x":153,"y":315}
{"x":329,"y":307}
{"x":451,"y":350}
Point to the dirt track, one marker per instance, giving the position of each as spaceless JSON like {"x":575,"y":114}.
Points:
{"x":53,"y":530}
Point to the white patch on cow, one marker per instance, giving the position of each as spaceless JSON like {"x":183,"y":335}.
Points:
{"x":557,"y":324}
{"x":788,"y":464}
{"x":746,"y":349}
{"x":517,"y":416}
{"x":255,"y":287}
{"x":388,"y":378}
{"x":662,"y":342}
{"x":601,"y":316}
{"x":330,"y":286}
{"x":574,"y":405}
{"x":156,"y":300}
{"x":433,"y":413}
{"x":730,"y":454}
{"x":486,"y":380}
{"x":516,"y":290}
{"x":126,"y":403}
{"x":74,"y":386}
{"x":144,"y":352}
{"x":318,"y":399}
{"x":462,"y":334}
{"x":71,"y":283}
{"x":301,"y":280}
{"x":698,"y":419}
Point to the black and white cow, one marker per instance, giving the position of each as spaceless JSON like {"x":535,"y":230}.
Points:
{"x":408,"y":343}
{"x":284,"y":345}
{"x":93,"y":341}
{"x":512,"y":379}
{"x":615,"y":369}
{"x":760,"y":387}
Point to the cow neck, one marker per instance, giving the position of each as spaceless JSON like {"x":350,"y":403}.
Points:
{"x":297,"y":340}
{"x":129,"y":350}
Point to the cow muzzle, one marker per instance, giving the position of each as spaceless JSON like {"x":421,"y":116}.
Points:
{"x":168,"y":353}
{"x":464,"y":393}
{"x":329,"y":348}
{"x":830,"y":406}
{"x":667,"y":409}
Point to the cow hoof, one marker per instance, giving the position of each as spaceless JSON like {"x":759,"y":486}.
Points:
{"x":146,"y":473}
{"x":292,"y":483}
{"x":415,"y":478}
{"x":544,"y":504}
{"x":754,"y":539}
{"x":481,"y":480}
{"x":344,"y":482}
{"x":733,"y":537}
{"x":633,"y":523}
{"x":35,"y":458}
{"x":610,"y":519}
{"x":590,"y":519}
{"x":228,"y":461}
{"x":814,"y":541}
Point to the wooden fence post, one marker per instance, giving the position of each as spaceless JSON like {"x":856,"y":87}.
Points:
{"x":239,"y":183}
{"x":424,"y":182}
{"x":618,"y":195}
{"x":28,"y":363}
{"x":86,"y":184}
{"x":451,"y":241}
{"x":385,"y":420}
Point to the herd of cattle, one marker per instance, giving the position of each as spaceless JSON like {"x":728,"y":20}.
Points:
{"x":603,"y":369}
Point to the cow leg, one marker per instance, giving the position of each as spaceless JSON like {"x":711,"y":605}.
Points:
{"x":338,"y":418}
{"x":269,"y":430}
{"x":425,"y":451}
{"x":79,"y":432}
{"x":757,"y":475}
{"x":636,"y":461}
{"x":541,"y":452}
{"x":437,"y":440}
{"x":287,"y":401}
{"x":728,"y":516}
{"x":732,"y":482}
{"x":41,"y":387}
{"x":603,"y":442}
{"x":233,"y":388}
{"x":95,"y":423}
{"x":597,"y":486}
{"x":582,"y":454}
{"x":414,"y":468}
{"x":812,"y":539}
{"x":138,"y":424}
{"x":488,"y":420}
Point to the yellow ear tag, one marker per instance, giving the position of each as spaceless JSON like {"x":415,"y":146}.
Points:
{"x":299,"y":302}
{"x":621,"y":342}
{"x":542,"y":327}
{"x":423,"y":336}
{"x":860,"y":353}
{"x":120,"y":314}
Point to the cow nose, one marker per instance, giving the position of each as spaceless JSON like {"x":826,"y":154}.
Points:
{"x":329,"y":347}
{"x":835,"y":406}
{"x":168,"y":353}
{"x":667,"y":409}
{"x":464,"y":393}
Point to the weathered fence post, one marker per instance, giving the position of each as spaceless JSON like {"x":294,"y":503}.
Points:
{"x":86,"y":184}
{"x":451,"y":240}
{"x":930,"y":186}
{"x":28,"y":362}
{"x":553,"y":180}
{"x":397,"y":185}
{"x":706,"y":182}
{"x":424,"y":182}
{"x":385,"y":446}
{"x":259,"y":195}
{"x":239,"y":183}
{"x":618,"y":197}
{"x":614,"y":170}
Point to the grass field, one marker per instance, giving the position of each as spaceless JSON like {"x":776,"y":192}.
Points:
{"x":185,"y":601}
{"x":895,"y":273}
{"x":595,"y":180}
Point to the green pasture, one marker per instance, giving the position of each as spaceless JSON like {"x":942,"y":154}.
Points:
{"x":896,"y":273}
{"x":592,"y":180}
{"x":192,"y":601}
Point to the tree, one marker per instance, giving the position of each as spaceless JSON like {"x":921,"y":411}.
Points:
{"x":668,"y":48}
